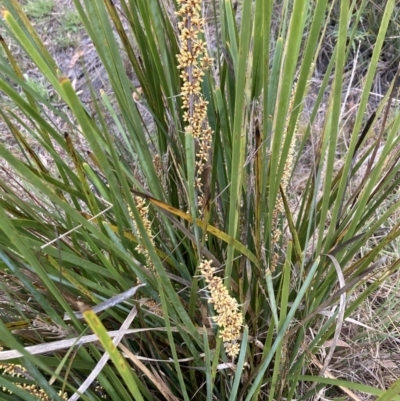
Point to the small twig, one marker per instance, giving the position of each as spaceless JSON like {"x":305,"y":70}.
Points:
{"x":77,"y":227}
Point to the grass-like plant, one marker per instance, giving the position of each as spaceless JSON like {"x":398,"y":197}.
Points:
{"x":176,"y":237}
{"x":39,"y":8}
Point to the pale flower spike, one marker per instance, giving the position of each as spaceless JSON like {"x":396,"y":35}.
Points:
{"x":228,"y":318}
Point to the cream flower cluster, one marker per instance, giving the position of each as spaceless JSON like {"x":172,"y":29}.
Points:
{"x":193,"y":61}
{"x":13,"y":370}
{"x":143,"y":210}
{"x":228,"y":318}
{"x":279,"y":207}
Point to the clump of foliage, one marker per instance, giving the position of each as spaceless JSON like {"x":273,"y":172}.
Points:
{"x":39,"y":8}
{"x":177,"y":239}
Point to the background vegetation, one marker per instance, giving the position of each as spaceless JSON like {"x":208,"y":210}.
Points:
{"x":230,"y":224}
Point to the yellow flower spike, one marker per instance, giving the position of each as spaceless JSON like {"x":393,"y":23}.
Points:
{"x":229,"y":318}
